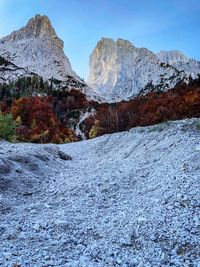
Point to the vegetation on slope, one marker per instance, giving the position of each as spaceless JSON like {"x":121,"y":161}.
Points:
{"x":53,"y":118}
{"x":7,"y":127}
{"x":175,"y":104}
{"x":44,"y":119}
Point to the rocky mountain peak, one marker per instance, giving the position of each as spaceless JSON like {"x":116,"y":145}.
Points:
{"x":124,"y":43}
{"x":37,"y":48}
{"x":103,"y":43}
{"x":182,"y":63}
{"x":118,"y":70}
{"x":40,"y":26}
{"x":109,"y":42}
{"x":172,"y":56}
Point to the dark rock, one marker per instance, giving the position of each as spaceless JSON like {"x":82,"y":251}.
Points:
{"x":42,"y":157}
{"x":26,"y":161}
{"x":26,"y":194}
{"x":4,"y":184}
{"x":63,"y":156}
{"x":4,"y":209}
{"x":4,"y":167}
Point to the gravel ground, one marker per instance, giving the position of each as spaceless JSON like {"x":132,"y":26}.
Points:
{"x":126,"y":199}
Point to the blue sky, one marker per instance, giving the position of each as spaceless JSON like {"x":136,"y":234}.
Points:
{"x":155,"y":24}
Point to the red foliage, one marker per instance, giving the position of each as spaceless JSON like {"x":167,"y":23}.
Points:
{"x":5,"y":106}
{"x":38,"y":122}
{"x":178,"y":103}
{"x":44,"y":119}
{"x":88,"y":123}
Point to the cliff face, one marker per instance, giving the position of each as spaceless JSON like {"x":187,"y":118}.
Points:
{"x":37,"y":48}
{"x":118,"y":70}
{"x":181,"y":62}
{"x":9,"y":71}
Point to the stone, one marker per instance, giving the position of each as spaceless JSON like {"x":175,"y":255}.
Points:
{"x":36,"y":226}
{"x":63,"y":156}
{"x":4,"y":167}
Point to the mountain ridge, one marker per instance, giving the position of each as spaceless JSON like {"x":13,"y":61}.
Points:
{"x":37,"y":48}
{"x":177,"y":59}
{"x":119,"y":71}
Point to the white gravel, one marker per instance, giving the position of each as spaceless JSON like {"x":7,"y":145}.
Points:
{"x":126,"y":199}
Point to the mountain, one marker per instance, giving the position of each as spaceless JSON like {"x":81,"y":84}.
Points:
{"x":118,"y":70}
{"x":180,"y":62}
{"x":36,"y":48}
{"x":9,"y":71}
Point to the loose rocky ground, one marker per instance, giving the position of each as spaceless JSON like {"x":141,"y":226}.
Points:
{"x":127,"y":199}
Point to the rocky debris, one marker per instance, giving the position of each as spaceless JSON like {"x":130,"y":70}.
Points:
{"x":4,"y":166}
{"x":27,"y":167}
{"x":119,"y":71}
{"x":64,"y":156}
{"x":126,"y":199}
{"x":57,"y":153}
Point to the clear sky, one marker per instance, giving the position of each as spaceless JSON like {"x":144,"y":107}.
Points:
{"x":155,"y":24}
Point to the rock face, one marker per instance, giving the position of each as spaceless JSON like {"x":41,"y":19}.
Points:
{"x":180,"y":62}
{"x":118,"y":70}
{"x":9,"y":71}
{"x":37,"y":48}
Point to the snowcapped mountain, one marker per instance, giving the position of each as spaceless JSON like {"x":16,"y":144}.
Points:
{"x":118,"y":70}
{"x":36,"y":48}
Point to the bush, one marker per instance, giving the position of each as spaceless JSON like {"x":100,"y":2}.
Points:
{"x":94,"y":130}
{"x":7,"y":127}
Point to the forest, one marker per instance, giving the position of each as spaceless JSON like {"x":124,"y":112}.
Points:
{"x":53,"y":116}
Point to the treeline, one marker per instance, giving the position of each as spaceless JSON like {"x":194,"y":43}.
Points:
{"x":25,"y":87}
{"x":46,"y":119}
{"x":178,"y":103}
{"x":53,"y":118}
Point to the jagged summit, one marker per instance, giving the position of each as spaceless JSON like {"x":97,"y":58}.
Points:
{"x":181,"y":62}
{"x":118,"y":70}
{"x":41,"y":26}
{"x":111,"y":42}
{"x":172,"y":56}
{"x":38,"y":26}
{"x":37,"y":48}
